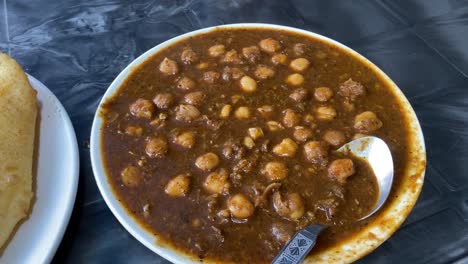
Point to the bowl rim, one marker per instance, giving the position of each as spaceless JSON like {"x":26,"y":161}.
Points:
{"x":351,"y":249}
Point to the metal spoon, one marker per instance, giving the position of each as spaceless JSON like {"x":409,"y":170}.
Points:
{"x":377,"y":154}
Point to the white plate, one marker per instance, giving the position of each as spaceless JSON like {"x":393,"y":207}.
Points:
{"x":38,"y":237}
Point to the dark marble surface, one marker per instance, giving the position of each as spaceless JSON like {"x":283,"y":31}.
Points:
{"x":76,"y":48}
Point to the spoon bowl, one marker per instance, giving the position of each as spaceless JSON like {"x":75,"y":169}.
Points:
{"x":372,"y":150}
{"x":376,"y":152}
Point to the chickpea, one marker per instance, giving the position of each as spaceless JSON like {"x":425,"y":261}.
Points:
{"x":225,"y":111}
{"x":323,"y":94}
{"x":163,"y":100}
{"x":188,"y":56}
{"x":302,"y":134}
{"x":299,"y":95}
{"x":279,"y":58}
{"x":156,"y":147}
{"x":325,"y":113}
{"x":131,"y":176}
{"x":242,"y":112}
{"x":251,"y":53}
{"x":142,"y":108}
{"x":264,"y":72}
{"x":178,"y":186}
{"x":269,"y":45}
{"x":185,"y":139}
{"x":275,"y":171}
{"x":291,"y":118}
{"x":335,"y":138}
{"x":216,"y":50}
{"x":290,"y":207}
{"x":194,"y":98}
{"x":286,"y":148}
{"x":207,"y":162}
{"x":186,"y":83}
{"x":240,"y":206}
{"x":248,"y":84}
{"x":341,"y":169}
{"x":217,"y":182}
{"x":266,"y":111}
{"x":299,"y":64}
{"x":255,"y":132}
{"x":299,"y":49}
{"x":169,"y":67}
{"x":134,"y":130}
{"x":232,"y":57}
{"x":211,"y":76}
{"x":316,"y":152}
{"x":367,"y":122}
{"x":295,"y":79}
{"x":233,"y":73}
{"x":187,"y":113}
{"x":248,"y":142}
{"x":274,"y":126}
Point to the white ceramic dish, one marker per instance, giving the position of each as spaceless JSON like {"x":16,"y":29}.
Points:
{"x":383,"y":226}
{"x":38,"y":237}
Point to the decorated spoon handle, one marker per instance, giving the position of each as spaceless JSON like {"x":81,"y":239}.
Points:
{"x":299,"y":246}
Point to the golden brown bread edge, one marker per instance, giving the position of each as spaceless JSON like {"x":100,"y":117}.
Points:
{"x":18,"y":114}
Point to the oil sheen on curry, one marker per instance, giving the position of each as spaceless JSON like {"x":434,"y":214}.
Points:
{"x":223,"y":144}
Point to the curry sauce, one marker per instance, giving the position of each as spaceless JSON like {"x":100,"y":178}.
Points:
{"x":223,"y":144}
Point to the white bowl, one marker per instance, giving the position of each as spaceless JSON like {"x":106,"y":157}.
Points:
{"x":381,"y":228}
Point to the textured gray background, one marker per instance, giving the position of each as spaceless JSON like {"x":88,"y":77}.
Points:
{"x":76,"y":48}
